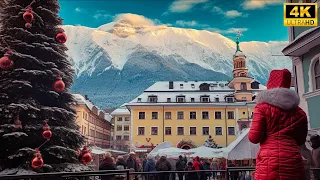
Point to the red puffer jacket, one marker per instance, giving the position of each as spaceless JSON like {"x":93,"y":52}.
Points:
{"x":280,"y":127}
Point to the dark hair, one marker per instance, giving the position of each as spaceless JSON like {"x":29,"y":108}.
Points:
{"x":190,"y":164}
{"x":180,"y":157}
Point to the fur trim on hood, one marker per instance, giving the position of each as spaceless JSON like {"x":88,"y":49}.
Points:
{"x":282,"y":98}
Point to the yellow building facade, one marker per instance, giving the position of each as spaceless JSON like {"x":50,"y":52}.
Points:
{"x":94,"y":123}
{"x":189,"y":123}
{"x":186,"y":113}
{"x":122,"y":129}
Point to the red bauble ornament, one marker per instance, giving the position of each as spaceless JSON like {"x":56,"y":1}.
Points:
{"x":37,"y":161}
{"x":28,"y":25}
{"x":17,"y":124}
{"x":61,"y":37}
{"x":59,"y":85}
{"x":6,"y":63}
{"x":86,"y":158}
{"x":47,"y":134}
{"x":28,"y":15}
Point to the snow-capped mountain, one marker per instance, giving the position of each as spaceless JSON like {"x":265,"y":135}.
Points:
{"x":117,"y":61}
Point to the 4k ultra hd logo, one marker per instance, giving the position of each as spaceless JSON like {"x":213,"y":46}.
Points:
{"x":300,"y":14}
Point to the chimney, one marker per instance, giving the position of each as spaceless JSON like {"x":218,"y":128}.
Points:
{"x":86,"y":97}
{"x":170,"y":84}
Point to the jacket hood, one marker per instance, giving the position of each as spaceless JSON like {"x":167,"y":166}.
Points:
{"x":282,"y":98}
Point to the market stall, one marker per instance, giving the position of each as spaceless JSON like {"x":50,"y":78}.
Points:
{"x":241,"y":148}
{"x":206,"y":152}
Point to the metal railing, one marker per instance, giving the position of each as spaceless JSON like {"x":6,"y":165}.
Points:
{"x":232,"y":173}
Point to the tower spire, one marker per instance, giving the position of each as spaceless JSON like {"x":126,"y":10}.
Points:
{"x":238,"y":37}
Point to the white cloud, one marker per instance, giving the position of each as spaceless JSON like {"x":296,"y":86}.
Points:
{"x":102,"y":14}
{"x":233,"y":13}
{"x":192,"y":23}
{"x":135,"y":19}
{"x":259,"y":4}
{"x":228,"y":14}
{"x":180,"y":6}
{"x":79,"y":10}
{"x":227,"y":31}
{"x":186,"y":23}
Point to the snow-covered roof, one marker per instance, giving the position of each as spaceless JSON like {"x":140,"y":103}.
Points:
{"x":188,"y":86}
{"x":82,"y":100}
{"x":121,"y":111}
{"x":190,"y":90}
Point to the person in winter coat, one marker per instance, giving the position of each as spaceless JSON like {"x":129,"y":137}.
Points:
{"x":180,"y":166}
{"x":144,"y":162}
{"x":196,"y":163}
{"x":107,"y":164}
{"x":308,"y":162}
{"x":163,"y":165}
{"x":315,"y":144}
{"x":191,"y":175}
{"x":207,"y":167}
{"x":132,"y":163}
{"x":150,"y":167}
{"x":280,"y":126}
{"x":214,"y":166}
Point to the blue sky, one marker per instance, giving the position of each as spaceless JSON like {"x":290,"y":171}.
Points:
{"x":259,"y":20}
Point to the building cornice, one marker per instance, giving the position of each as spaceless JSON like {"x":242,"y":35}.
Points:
{"x":299,"y":46}
{"x":311,"y":94}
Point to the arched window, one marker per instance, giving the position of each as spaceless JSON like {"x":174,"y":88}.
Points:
{"x":317,"y":74}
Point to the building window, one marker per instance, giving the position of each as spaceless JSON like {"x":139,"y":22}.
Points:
{"x":153,"y":99}
{"x":168,"y":99}
{"x":118,"y":138}
{"x":126,"y":128}
{"x":119,"y":118}
{"x":230,"y":115}
{"x":243,"y":86}
{"x":192,"y":86}
{"x":217,"y":115}
{"x":180,"y":131}
{"x":193,"y":115}
{"x":139,"y":99}
{"x":230,"y":99}
{"x":216,"y":99}
{"x":119,"y":128}
{"x":317,"y":74}
{"x":126,"y":137}
{"x":231,"y":131}
{"x":180,"y":99}
{"x":141,"y":131}
{"x":154,"y":115}
{"x":168,"y":131}
{"x":205,"y":131}
{"x":244,"y":98}
{"x":192,"y":100}
{"x":193,"y":131}
{"x":243,"y":112}
{"x":142,"y":115}
{"x":180,"y":115}
{"x":154,"y":131}
{"x":218,"y":131}
{"x":205,"y":99}
{"x":126,"y":119}
{"x":205,"y":115}
{"x":181,"y":86}
{"x":167,"y":115}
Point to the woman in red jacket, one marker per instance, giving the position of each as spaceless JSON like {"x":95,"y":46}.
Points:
{"x":280,"y":126}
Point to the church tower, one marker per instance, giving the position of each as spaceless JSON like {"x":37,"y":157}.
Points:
{"x":241,"y":82}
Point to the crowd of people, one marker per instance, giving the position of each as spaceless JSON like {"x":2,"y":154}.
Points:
{"x":202,"y":169}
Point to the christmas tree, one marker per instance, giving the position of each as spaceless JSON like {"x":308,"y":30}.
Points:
{"x":210,"y":143}
{"x":38,"y":132}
